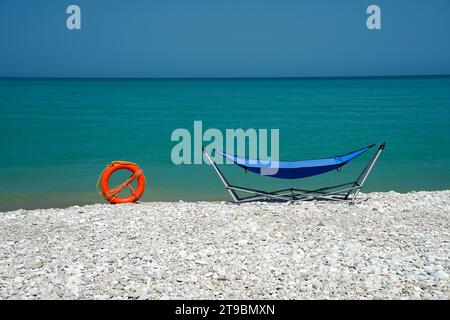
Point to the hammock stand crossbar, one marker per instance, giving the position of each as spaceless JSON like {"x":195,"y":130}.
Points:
{"x":341,"y":192}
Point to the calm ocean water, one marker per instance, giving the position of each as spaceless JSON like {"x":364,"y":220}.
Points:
{"x":58,"y":134}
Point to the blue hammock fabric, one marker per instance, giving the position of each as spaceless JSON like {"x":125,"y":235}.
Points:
{"x":295,"y":169}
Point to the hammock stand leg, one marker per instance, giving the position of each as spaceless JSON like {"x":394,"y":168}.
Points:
{"x":358,"y":184}
{"x":222,"y":177}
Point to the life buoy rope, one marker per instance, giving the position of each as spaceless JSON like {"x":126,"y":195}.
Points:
{"x":111,"y":195}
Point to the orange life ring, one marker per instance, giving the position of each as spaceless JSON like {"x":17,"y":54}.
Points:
{"x":111,"y":195}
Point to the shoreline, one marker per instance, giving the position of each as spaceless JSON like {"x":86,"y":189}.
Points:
{"x":389,"y":246}
{"x":363,"y":196}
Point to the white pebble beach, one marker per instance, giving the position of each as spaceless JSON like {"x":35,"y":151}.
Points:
{"x":386,"y":246}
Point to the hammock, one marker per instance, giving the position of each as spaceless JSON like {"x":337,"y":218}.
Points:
{"x":295,"y":169}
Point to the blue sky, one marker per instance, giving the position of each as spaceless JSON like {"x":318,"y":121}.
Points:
{"x":227,"y":38}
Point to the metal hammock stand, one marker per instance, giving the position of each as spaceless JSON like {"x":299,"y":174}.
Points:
{"x":298,"y":169}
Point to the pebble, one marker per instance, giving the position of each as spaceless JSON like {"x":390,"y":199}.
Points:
{"x":428,"y":269}
{"x":441,"y":275}
{"x":37,"y":264}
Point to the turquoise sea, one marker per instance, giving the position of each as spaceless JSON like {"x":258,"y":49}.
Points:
{"x":58,"y":134}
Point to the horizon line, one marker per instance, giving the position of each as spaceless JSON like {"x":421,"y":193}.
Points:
{"x":227,"y":78}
